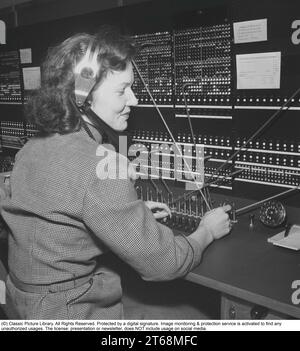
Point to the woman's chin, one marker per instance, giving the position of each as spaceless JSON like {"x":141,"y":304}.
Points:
{"x":121,"y":126}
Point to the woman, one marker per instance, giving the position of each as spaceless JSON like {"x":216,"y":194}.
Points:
{"x":64,"y":218}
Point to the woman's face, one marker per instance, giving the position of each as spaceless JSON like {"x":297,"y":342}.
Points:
{"x":112,"y":99}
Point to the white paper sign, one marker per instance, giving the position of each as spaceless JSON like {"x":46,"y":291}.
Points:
{"x":250,"y":31}
{"x":32,"y":78}
{"x":258,"y":71}
{"x":25,"y":55}
{"x":2,"y":32}
{"x":2,"y":292}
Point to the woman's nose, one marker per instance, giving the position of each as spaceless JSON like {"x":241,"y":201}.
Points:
{"x":132,"y":100}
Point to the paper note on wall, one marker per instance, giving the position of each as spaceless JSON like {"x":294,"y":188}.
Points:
{"x":250,"y":31}
{"x":258,"y":71}
{"x":2,"y":293}
{"x":2,"y":32}
{"x":32,"y":78}
{"x":25,"y":55}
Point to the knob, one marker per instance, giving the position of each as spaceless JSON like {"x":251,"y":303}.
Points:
{"x":232,"y":312}
{"x":259,"y":312}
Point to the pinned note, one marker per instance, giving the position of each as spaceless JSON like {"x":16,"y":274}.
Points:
{"x":2,"y":32}
{"x":258,"y":71}
{"x":250,"y":31}
{"x":32,"y":78}
{"x":26,"y":55}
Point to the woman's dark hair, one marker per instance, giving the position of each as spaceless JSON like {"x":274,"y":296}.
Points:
{"x":51,"y":108}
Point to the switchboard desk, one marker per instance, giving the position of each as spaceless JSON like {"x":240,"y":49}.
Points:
{"x":253,"y":276}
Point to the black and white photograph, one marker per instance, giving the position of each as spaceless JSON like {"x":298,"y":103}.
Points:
{"x":149,"y":167}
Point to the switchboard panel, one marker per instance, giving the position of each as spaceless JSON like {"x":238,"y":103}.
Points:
{"x":191,"y":73}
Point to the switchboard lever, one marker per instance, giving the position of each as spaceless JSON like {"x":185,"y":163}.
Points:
{"x":138,"y":191}
{"x":287,"y":229}
{"x":233,"y":213}
{"x":251,"y":224}
{"x":166,"y":186}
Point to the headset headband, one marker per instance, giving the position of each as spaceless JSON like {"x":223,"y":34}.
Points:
{"x":85,"y":74}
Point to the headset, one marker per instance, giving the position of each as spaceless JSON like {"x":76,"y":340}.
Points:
{"x":85,"y":75}
{"x":86,"y":72}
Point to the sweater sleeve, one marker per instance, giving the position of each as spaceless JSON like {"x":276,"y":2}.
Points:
{"x":112,"y":211}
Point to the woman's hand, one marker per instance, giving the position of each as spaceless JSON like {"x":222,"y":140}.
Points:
{"x":214,"y":225}
{"x":159,"y":209}
{"x":217,"y":222}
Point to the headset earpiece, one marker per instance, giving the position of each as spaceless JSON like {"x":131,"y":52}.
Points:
{"x":85,"y":75}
